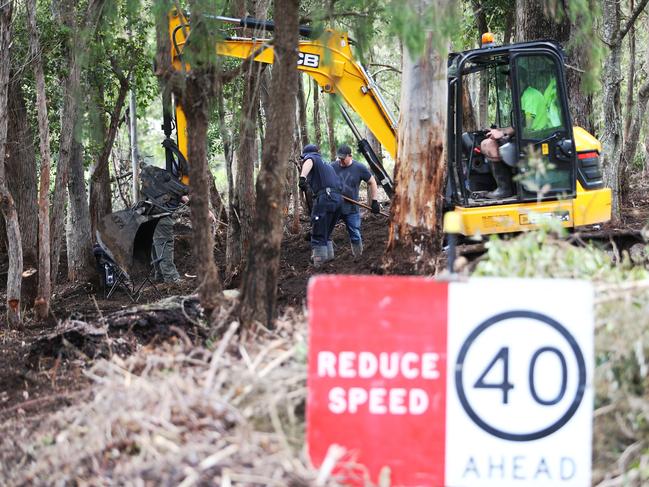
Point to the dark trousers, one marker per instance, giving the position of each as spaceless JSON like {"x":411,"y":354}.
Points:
{"x":163,"y":250}
{"x":325,"y":215}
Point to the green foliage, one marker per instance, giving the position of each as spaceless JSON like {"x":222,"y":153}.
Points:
{"x":362,"y":19}
{"x":121,"y":46}
{"x":582,"y":15}
{"x":414,"y":23}
{"x":468,"y":35}
{"x":540,"y":254}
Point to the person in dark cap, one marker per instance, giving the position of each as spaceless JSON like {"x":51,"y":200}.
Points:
{"x":351,"y":173}
{"x":326,"y":187}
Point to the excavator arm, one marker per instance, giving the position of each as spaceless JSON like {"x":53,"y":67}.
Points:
{"x":328,"y":60}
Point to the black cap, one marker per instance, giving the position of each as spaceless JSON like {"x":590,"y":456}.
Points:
{"x":344,"y":151}
{"x":310,"y":149}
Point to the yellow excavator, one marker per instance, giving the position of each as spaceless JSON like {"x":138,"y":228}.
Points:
{"x":554,"y":169}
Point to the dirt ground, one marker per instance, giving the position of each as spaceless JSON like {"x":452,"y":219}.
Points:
{"x":36,"y":379}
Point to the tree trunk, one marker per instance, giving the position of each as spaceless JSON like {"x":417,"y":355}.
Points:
{"x":244,"y":196}
{"x":196,"y":99}
{"x":259,"y":288}
{"x":630,"y":82}
{"x":21,"y":170}
{"x":533,"y":21}
{"x":611,"y":77}
{"x":316,"y":114}
{"x":81,"y":261}
{"x":469,"y":122}
{"x":68,"y":114}
{"x":509,"y":27}
{"x":331,"y":132}
{"x":265,"y":79}
{"x":302,"y":115}
{"x":415,"y":228}
{"x":483,"y":104}
{"x":100,"y":195}
{"x":42,"y":303}
{"x":223,"y":213}
{"x":216,"y":202}
{"x":378,"y":150}
{"x":7,"y":204}
{"x":612,"y":139}
{"x":197,"y":121}
{"x":637,"y":116}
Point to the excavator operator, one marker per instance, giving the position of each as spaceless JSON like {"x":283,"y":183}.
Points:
{"x":540,"y":112}
{"x":327,"y":188}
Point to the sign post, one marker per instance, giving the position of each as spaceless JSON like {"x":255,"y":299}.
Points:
{"x":481,"y":383}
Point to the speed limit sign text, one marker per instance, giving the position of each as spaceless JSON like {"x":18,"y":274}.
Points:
{"x":480,"y":383}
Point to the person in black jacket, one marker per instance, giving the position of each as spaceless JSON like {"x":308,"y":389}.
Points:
{"x":326,"y":187}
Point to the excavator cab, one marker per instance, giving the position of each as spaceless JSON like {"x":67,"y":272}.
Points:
{"x":553,"y":167}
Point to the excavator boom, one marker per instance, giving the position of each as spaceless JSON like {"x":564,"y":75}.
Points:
{"x":328,"y":60}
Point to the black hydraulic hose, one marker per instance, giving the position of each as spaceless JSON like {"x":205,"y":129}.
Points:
{"x":269,"y":25}
{"x":258,"y":24}
{"x":379,"y":171}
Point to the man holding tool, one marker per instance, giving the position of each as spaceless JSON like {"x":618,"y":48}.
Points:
{"x":352,"y":173}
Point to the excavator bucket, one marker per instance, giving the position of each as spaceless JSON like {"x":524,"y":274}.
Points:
{"x":127,"y":237}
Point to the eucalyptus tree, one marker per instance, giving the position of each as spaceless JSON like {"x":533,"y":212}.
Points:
{"x":415,"y":229}
{"x":80,"y":23}
{"x":42,"y":305}
{"x":7,"y":204}
{"x":247,"y":150}
{"x":197,"y":95}
{"x":614,"y":30}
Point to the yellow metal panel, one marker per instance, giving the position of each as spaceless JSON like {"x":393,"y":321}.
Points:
{"x":335,"y":71}
{"x":592,"y":206}
{"x":585,"y":141}
{"x":338,"y":68}
{"x":181,"y":131}
{"x":588,"y":208}
{"x":516,"y":217}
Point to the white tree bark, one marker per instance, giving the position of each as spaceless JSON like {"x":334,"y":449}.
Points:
{"x":420,"y":160}
{"x":420,"y":163}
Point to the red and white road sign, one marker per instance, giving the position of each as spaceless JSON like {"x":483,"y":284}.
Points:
{"x":481,"y":383}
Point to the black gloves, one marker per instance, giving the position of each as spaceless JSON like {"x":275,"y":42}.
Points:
{"x":303,"y":184}
{"x":375,"y":207}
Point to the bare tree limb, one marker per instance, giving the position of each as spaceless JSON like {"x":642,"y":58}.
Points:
{"x":629,"y":23}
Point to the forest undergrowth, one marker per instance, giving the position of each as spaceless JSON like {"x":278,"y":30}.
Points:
{"x":232,"y":410}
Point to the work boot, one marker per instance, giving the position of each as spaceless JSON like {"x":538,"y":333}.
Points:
{"x":503,"y":181}
{"x":330,"y":250}
{"x":357,"y":249}
{"x":319,"y":255}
